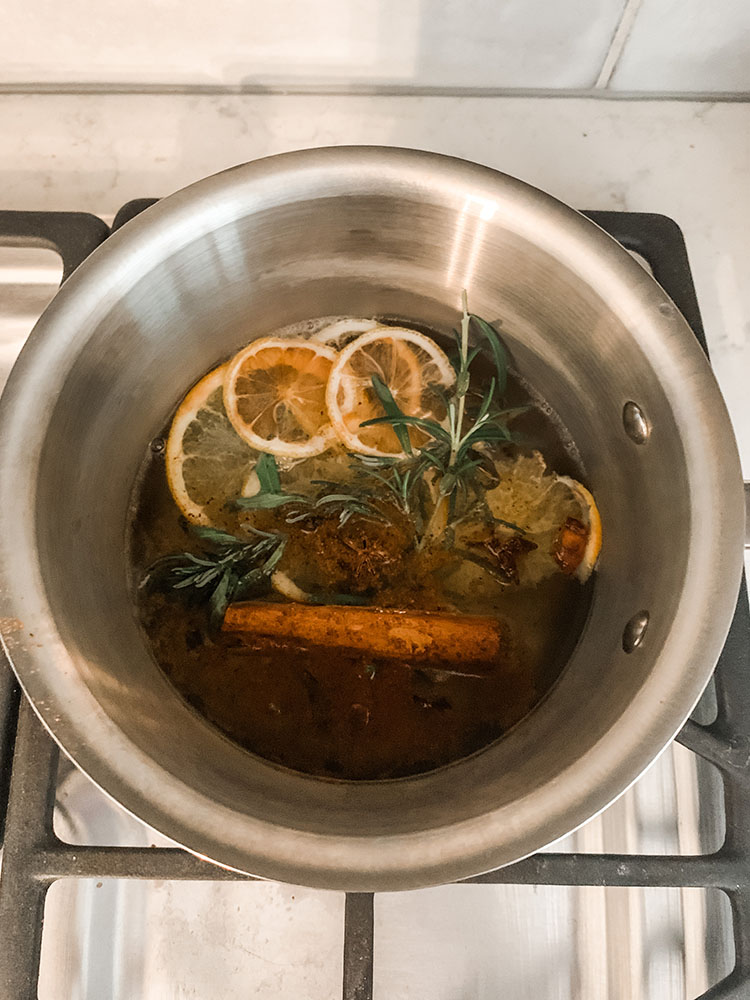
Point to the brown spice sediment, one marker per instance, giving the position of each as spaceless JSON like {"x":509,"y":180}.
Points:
{"x":359,"y":557}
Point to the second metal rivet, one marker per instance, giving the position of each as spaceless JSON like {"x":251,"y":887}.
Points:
{"x":634,"y":631}
{"x":635,"y":423}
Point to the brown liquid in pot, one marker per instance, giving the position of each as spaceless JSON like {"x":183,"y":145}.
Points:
{"x":345,"y":715}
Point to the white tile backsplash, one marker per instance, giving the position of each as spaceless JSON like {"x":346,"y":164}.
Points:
{"x":410,"y":43}
{"x":634,"y":46}
{"x":687,"y":46}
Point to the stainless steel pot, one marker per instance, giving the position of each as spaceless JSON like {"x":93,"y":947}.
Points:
{"x":363,"y":231}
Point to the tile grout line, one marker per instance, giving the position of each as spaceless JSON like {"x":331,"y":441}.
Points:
{"x":359,"y":90}
{"x":618,"y":43}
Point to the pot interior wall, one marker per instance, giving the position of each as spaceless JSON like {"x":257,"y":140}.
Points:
{"x":182,"y":305}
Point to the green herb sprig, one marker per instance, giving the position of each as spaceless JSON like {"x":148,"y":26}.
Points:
{"x":451,"y":450}
{"x":401,"y":479}
{"x":330,"y":499}
{"x":346,"y":505}
{"x":228,"y":569}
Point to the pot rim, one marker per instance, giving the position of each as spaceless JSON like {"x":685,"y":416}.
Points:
{"x":458,"y":850}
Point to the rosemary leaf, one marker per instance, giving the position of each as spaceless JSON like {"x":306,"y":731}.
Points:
{"x":336,"y":498}
{"x":213,"y":535}
{"x":270,"y":564}
{"x":294,"y":517}
{"x":484,"y":409}
{"x":498,"y":351}
{"x":393,"y":411}
{"x":267,"y":472}
{"x":431,"y":426}
{"x":219,"y":600}
{"x":375,"y":461}
{"x":266,"y":501}
{"x":269,"y":536}
{"x":434,"y":460}
{"x":466,"y":467}
{"x":388,"y":483}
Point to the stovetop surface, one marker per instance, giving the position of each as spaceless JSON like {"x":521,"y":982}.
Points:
{"x":653,"y":923}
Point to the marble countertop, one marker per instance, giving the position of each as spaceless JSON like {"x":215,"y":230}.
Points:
{"x":690,"y":161}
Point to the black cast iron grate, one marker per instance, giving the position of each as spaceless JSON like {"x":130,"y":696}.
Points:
{"x":34,"y":858}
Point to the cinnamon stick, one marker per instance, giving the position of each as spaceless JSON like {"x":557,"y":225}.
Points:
{"x":382,"y":633}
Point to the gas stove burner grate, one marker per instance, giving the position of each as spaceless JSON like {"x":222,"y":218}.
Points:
{"x":34,"y":858}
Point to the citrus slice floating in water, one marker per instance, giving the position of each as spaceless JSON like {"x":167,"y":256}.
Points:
{"x":275,"y":396}
{"x":207,"y":463}
{"x":413,"y":368}
{"x":342,"y":331}
{"x":555,"y":513}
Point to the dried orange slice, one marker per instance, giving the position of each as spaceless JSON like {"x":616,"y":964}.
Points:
{"x":592,"y":521}
{"x":275,"y":396}
{"x":409,"y":363}
{"x":207,"y":463}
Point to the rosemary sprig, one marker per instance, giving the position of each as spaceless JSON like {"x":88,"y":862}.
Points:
{"x":329,"y":499}
{"x":228,"y":569}
{"x":496,"y":347}
{"x":345,"y":505}
{"x":393,"y":412}
{"x":451,"y":450}
{"x":402,"y":480}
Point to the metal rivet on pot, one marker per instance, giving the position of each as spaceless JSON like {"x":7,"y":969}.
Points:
{"x":666,"y":308}
{"x":634,"y":421}
{"x":158,"y":445}
{"x":634,"y":631}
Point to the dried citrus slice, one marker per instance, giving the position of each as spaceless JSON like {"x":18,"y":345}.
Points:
{"x":207,"y":463}
{"x":274,"y":394}
{"x":555,"y":513}
{"x":409,"y":363}
{"x":590,"y":543}
{"x":342,"y":331}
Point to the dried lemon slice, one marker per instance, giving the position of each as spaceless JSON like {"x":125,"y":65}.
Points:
{"x":343,"y":331}
{"x":409,"y":363}
{"x":556,"y":513}
{"x":275,"y":396}
{"x":207,"y":463}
